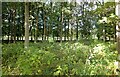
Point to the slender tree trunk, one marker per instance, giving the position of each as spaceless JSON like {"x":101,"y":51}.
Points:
{"x":51,"y":4}
{"x":44,"y":21}
{"x":9,"y":30}
{"x":42,"y":37}
{"x":31,"y":22}
{"x":26,"y":24}
{"x":14,"y":30}
{"x":77,"y":30}
{"x":44,"y":29}
{"x":115,"y":34}
{"x":118,"y":38}
{"x":76,"y":25}
{"x":118,"y":33}
{"x":105,"y":33}
{"x":36,"y":29}
{"x":83,"y":17}
{"x":31,"y":31}
{"x":43,"y":24}
{"x":23,"y":19}
{"x":71,"y":38}
{"x":11,"y":26}
{"x":61,"y":26}
{"x":65,"y":31}
{"x":68,"y":30}
{"x":47,"y":32}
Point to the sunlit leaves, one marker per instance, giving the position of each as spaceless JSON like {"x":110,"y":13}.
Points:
{"x":59,"y":59}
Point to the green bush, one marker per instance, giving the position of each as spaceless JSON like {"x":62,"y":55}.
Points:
{"x":59,"y":59}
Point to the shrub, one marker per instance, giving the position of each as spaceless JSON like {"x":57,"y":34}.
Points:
{"x":59,"y":59}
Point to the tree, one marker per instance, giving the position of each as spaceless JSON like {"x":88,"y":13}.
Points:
{"x":14,"y":26}
{"x":59,"y":20}
{"x":44,"y":22}
{"x":118,"y":32}
{"x":61,"y":26}
{"x":26,"y":24}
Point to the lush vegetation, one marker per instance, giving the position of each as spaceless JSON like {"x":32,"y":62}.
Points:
{"x":47,"y":58}
{"x":60,"y":20}
{"x":60,"y":38}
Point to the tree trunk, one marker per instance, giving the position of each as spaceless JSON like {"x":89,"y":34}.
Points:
{"x":65,"y":31}
{"x":71,"y":34}
{"x":44,"y":29}
{"x":23,"y":19}
{"x":14,"y":30}
{"x":77,"y":30}
{"x":61,"y":26}
{"x":11,"y":25}
{"x":118,"y":33}
{"x":44,"y":21}
{"x":9,"y":29}
{"x":51,"y":4}
{"x":68,"y":30}
{"x":36,"y":29}
{"x":114,"y":34}
{"x":26,"y":24}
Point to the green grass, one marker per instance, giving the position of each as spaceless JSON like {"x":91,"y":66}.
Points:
{"x":67,"y":58}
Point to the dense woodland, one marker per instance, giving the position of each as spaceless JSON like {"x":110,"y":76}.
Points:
{"x":59,"y":38}
{"x":60,"y":20}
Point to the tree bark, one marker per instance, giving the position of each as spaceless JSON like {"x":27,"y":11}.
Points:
{"x":9,"y":18}
{"x":36,"y":29}
{"x":68,"y":30}
{"x":14,"y":30}
{"x":11,"y":25}
{"x":26,"y":25}
{"x":61,"y":26}
{"x":118,"y":32}
{"x":44,"y":21}
{"x":115,"y":34}
{"x":65,"y":31}
{"x":77,"y":29}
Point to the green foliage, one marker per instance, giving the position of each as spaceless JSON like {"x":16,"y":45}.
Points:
{"x":45,"y":19}
{"x":59,"y":59}
{"x":50,"y":40}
